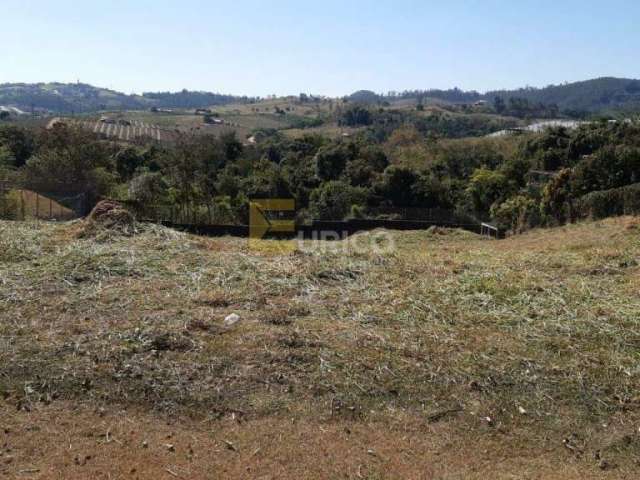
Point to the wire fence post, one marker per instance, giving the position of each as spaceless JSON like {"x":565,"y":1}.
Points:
{"x":22,"y":205}
{"x":488,"y":230}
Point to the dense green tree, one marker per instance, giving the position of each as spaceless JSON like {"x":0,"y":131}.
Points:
{"x":70,"y":161}
{"x":610,"y":167}
{"x":231,"y":145}
{"x":486,"y":187}
{"x":7,"y":160}
{"x":331,"y":161}
{"x":516,"y":214}
{"x":556,"y":205}
{"x":365,"y":169}
{"x":300,"y":172}
{"x":128,"y":160}
{"x":266,"y":181}
{"x":19,"y":141}
{"x":355,"y":116}
{"x":333,"y":200}
{"x":550,"y":150}
{"x":148,"y":189}
{"x":398,"y":186}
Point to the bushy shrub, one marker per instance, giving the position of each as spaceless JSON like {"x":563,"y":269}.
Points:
{"x":556,"y":206}
{"x":331,"y":161}
{"x":148,"y":188}
{"x":335,"y":200}
{"x":516,"y":214}
{"x":357,"y":212}
{"x":606,"y":203}
{"x":487,"y":187}
{"x":355,"y":116}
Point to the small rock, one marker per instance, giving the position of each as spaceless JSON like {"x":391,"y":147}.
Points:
{"x":81,"y":460}
{"x":231,"y":320}
{"x":145,"y":444}
{"x":604,"y":465}
{"x":170,"y":447}
{"x":522,"y":411}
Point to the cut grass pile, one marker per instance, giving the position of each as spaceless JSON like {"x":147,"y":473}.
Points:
{"x":108,"y":218}
{"x":528,"y":344}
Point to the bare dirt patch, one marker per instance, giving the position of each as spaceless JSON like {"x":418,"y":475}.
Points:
{"x":76,"y":442}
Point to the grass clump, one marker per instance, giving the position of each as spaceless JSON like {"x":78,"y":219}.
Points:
{"x":107,"y":219}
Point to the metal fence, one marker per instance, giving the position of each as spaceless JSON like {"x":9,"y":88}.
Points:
{"x":208,"y":219}
{"x":18,"y":203}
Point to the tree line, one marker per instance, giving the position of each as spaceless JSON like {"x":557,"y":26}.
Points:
{"x":516,"y":182}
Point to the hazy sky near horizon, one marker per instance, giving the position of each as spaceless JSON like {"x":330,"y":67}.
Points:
{"x":328,"y":47}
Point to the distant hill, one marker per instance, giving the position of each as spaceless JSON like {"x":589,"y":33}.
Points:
{"x":599,"y":95}
{"x":64,"y":98}
{"x":364,"y":96}
{"x":187,"y":99}
{"x":80,"y":97}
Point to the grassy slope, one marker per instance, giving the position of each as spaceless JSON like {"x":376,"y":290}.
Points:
{"x":243,"y":119}
{"x":453,"y":357}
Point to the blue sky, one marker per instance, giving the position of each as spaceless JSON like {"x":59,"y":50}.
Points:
{"x":325,"y":47}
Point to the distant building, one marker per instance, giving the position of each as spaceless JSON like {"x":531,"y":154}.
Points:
{"x":13,"y":110}
{"x":211,"y":120}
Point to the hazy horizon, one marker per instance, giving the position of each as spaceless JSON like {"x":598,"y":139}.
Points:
{"x":364,"y":88}
{"x":256,"y":48}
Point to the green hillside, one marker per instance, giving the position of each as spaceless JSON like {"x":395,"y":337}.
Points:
{"x":80,"y":97}
{"x":600,"y":95}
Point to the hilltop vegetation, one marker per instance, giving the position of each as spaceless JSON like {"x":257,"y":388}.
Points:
{"x":604,"y":95}
{"x":60,"y":97}
{"x":580,"y":99}
{"x":79,"y":97}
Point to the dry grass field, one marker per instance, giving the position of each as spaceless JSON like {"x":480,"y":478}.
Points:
{"x":448,"y":356}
